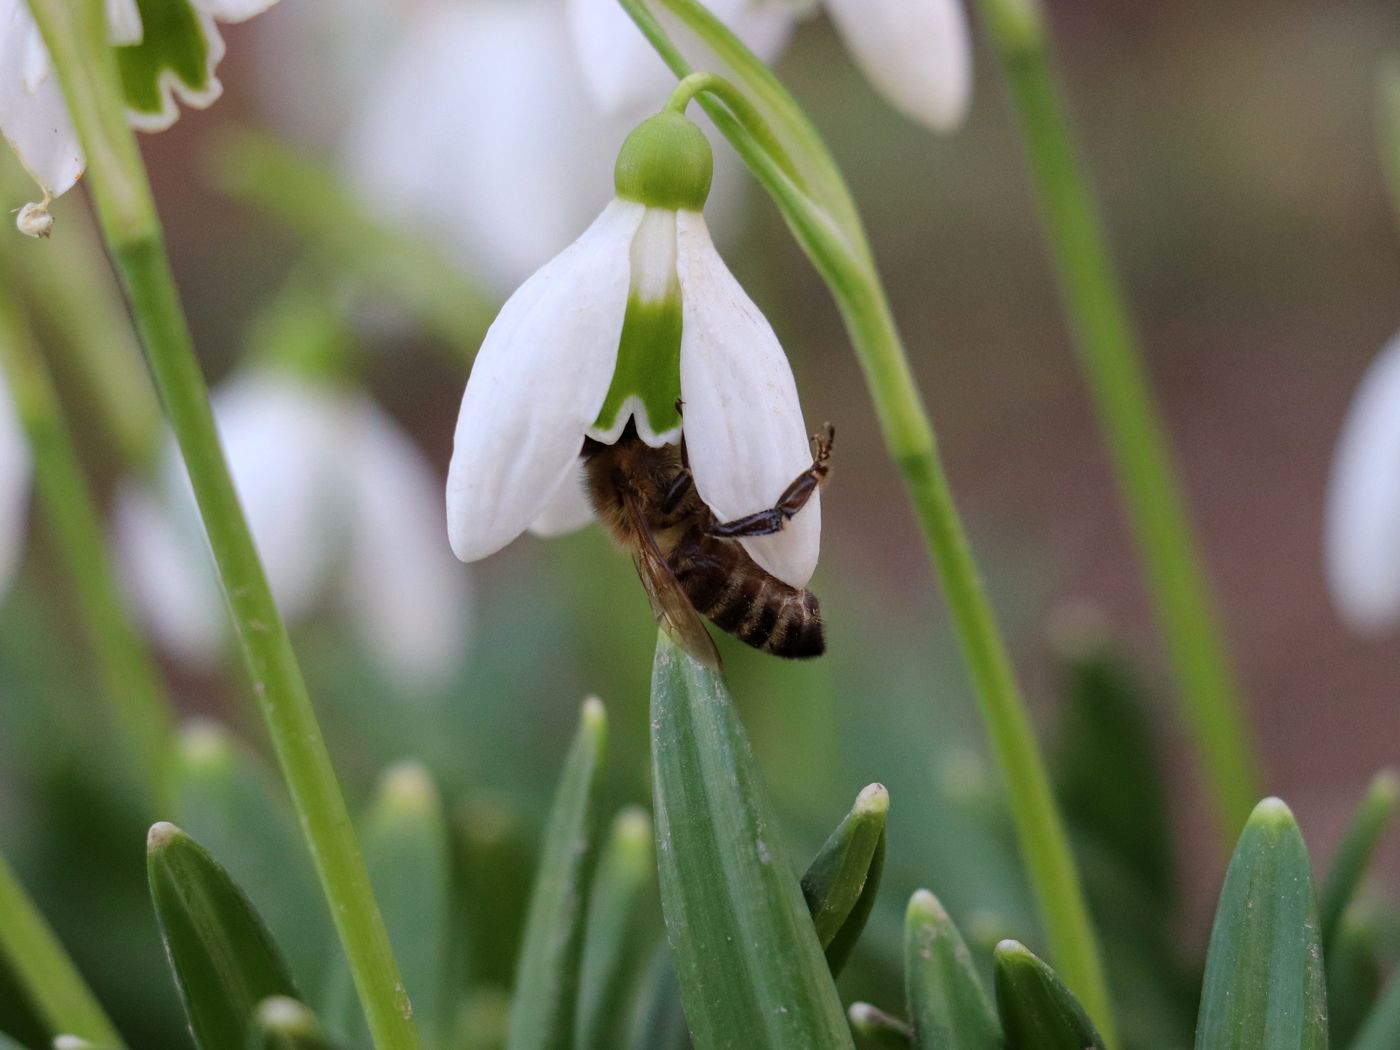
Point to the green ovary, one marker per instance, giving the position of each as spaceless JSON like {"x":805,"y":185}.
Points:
{"x":648,"y":366}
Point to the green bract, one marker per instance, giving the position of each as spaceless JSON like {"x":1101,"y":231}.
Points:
{"x":665,"y":162}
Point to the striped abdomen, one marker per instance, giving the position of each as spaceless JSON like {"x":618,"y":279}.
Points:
{"x":728,"y":587}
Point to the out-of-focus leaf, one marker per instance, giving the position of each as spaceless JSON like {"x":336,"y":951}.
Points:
{"x":1354,"y":853}
{"x":1382,"y":1028}
{"x":876,"y":1030}
{"x":55,"y":990}
{"x":623,"y":919}
{"x":1264,"y":987}
{"x":493,"y":868}
{"x":403,"y":838}
{"x":1107,"y":775}
{"x":222,"y":956}
{"x":751,"y":970}
{"x":947,"y":1004}
{"x":841,"y":883}
{"x":1037,"y":1011}
{"x":482,"y":1020}
{"x":73,"y":1042}
{"x":1353,"y":978}
{"x":547,"y":980}
{"x":658,"y":1018}
{"x":1388,"y":123}
{"x":228,"y":802}
{"x":280,"y":1023}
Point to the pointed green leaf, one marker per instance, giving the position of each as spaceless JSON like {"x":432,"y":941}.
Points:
{"x":36,"y":960}
{"x":623,"y":920}
{"x":1264,"y":987}
{"x":1354,"y":853}
{"x":491,"y":892}
{"x":1353,"y":978}
{"x":546,"y":984}
{"x":222,"y":956}
{"x":947,"y":1004}
{"x":403,"y":838}
{"x":483,"y":1018}
{"x":841,"y":883}
{"x":750,"y":967}
{"x":876,"y":1030}
{"x":658,"y":1019}
{"x":1382,"y":1028}
{"x":1037,"y":1011}
{"x":280,"y":1023}
{"x":226,"y":800}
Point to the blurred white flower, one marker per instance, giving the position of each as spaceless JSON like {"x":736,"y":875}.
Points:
{"x":172,"y":56}
{"x":556,"y":367}
{"x":14,"y":487}
{"x":917,"y":53}
{"x":344,"y":510}
{"x":1362,"y":534}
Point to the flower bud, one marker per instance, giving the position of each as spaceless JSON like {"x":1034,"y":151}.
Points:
{"x":665,"y":162}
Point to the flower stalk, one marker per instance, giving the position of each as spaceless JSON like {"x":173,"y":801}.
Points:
{"x":73,"y":33}
{"x":141,"y":709}
{"x":809,"y":191}
{"x":1128,"y":414}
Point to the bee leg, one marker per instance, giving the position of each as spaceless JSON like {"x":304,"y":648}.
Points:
{"x":684,"y":482}
{"x":793,"y":499}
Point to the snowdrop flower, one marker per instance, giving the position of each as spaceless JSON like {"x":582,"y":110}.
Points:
{"x":173,"y":56}
{"x":636,"y":317}
{"x":917,"y":53}
{"x":1362,"y":534}
{"x":14,"y":487}
{"x":343,"y":507}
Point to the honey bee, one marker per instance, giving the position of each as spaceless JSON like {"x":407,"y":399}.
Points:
{"x":693,"y":565}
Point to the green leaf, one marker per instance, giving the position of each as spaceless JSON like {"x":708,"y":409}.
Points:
{"x":222,"y":956}
{"x":491,"y":892}
{"x":483,"y":1018}
{"x":1037,"y":1011}
{"x":841,"y":883}
{"x":56,"y":991}
{"x":1353,"y":978}
{"x":1357,"y":845}
{"x":280,"y":1023}
{"x":173,"y":47}
{"x":1264,"y":985}
{"x":404,"y":840}
{"x":1382,"y":1028}
{"x":876,"y":1030}
{"x":750,"y":967}
{"x":546,"y":983}
{"x":228,"y":801}
{"x":948,"y":1007}
{"x":658,"y":1018}
{"x":623,"y":919}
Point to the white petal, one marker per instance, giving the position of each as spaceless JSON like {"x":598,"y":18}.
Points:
{"x":623,"y":72}
{"x":537,"y":384}
{"x":407,"y":594}
{"x":743,"y":423}
{"x":14,"y":487}
{"x":486,"y":92}
{"x":172,"y":87}
{"x":568,"y":511}
{"x":33,"y":116}
{"x":1362,"y":535}
{"x":234,"y":10}
{"x":918,"y":53}
{"x":168,"y":571}
{"x":123,"y":23}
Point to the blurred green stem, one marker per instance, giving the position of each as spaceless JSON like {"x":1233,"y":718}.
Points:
{"x":1132,"y":426}
{"x":141,"y":709}
{"x":1388,"y":124}
{"x":808,"y":189}
{"x":55,"y":987}
{"x":75,"y":33}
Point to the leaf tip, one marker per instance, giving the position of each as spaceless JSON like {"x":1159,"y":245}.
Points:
{"x":873,"y":801}
{"x":632,"y":827}
{"x":204,"y":743}
{"x":162,"y":834}
{"x":924,"y":907}
{"x":283,"y":1015}
{"x":1009,"y":952}
{"x":594,"y":717}
{"x":407,"y":786}
{"x":1385,"y":785}
{"x":1272,"y":813}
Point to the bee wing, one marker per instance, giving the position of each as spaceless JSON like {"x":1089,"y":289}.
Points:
{"x":670,"y":603}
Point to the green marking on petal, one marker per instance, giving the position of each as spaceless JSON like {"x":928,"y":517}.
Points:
{"x":172,"y":39}
{"x":648,"y":366}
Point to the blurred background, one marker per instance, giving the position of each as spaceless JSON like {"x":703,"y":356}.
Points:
{"x":1233,"y":149}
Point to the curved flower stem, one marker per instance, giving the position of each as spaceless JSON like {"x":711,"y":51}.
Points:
{"x":813,"y":199}
{"x":1128,"y":415}
{"x":141,"y":711}
{"x":74,"y":32}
